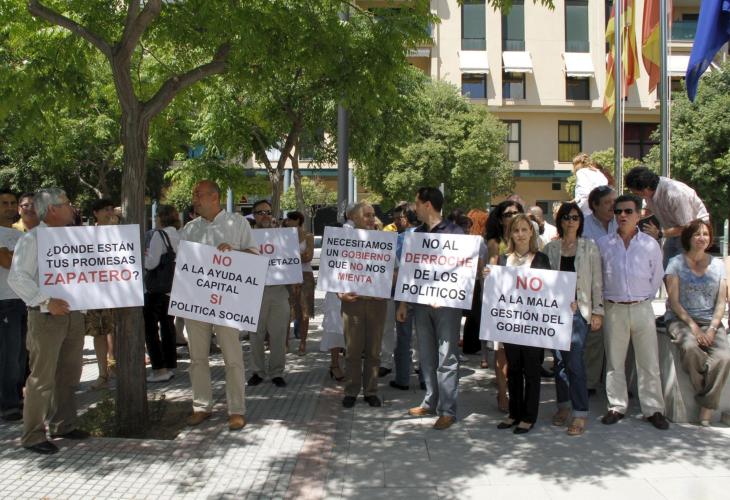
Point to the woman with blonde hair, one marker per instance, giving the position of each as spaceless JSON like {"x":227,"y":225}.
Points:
{"x":523,"y":362}
{"x":588,"y":175}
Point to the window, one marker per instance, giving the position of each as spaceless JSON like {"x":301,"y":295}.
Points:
{"x":513,"y":27}
{"x":474,"y":85}
{"x":577,"y":89}
{"x":474,"y":25}
{"x":637,"y":139}
{"x":514,"y":138}
{"x":576,"y":26}
{"x":513,"y":85}
{"x":676,"y":85}
{"x":569,"y":140}
{"x":309,"y":143}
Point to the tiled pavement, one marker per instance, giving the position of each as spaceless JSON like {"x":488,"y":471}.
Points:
{"x":300,"y":443}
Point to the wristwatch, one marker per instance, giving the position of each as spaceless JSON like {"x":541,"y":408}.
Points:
{"x":45,"y":303}
{"x":713,"y":328}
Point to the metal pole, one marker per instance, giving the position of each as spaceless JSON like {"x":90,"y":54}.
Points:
{"x":343,"y":168}
{"x":154,"y":213}
{"x":618,"y":132}
{"x":726,"y":235}
{"x":229,"y":200}
{"x":665,"y":129}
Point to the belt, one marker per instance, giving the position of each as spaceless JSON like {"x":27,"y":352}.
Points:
{"x":626,"y":303}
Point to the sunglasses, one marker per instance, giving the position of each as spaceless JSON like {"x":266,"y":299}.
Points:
{"x":574,"y":218}
{"x":508,"y":215}
{"x":262,"y":212}
{"x":619,"y":211}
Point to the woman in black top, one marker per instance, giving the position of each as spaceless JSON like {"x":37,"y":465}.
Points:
{"x":523,"y":362}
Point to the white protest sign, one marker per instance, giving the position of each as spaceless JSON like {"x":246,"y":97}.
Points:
{"x":438,"y":269}
{"x":91,"y":267}
{"x":357,"y":260}
{"x":528,"y":307}
{"x":281,"y":247}
{"x":222,"y":288}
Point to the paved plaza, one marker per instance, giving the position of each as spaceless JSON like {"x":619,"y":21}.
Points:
{"x":301,"y":443}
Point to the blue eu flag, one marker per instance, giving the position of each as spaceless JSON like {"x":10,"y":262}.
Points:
{"x":713,"y":30}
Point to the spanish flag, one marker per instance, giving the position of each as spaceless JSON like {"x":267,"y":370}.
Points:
{"x":629,"y":59}
{"x":650,"y":41}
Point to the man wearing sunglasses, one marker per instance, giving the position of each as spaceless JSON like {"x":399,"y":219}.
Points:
{"x":273,"y":319}
{"x":632,"y":274}
{"x":674,"y":203}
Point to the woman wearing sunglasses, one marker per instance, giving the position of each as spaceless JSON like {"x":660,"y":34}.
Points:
{"x":572,"y":253}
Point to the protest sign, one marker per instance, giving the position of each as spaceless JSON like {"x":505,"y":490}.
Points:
{"x":438,"y":269}
{"x":281,"y":247}
{"x":528,"y":307}
{"x":91,"y":267}
{"x":357,"y":260}
{"x":222,"y":288}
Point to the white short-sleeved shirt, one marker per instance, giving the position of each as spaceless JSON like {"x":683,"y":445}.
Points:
{"x":225,"y":227}
{"x":8,"y":239}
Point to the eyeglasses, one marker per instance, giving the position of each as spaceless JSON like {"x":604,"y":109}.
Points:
{"x":508,"y":215}
{"x":619,"y":211}
{"x":262,"y":212}
{"x":574,"y":218}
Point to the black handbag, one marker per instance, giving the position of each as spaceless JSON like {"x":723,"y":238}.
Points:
{"x":159,"y":279}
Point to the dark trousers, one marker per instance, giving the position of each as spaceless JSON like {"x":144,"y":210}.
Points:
{"x":161,"y":343}
{"x":472,"y":344}
{"x":523,"y":381}
{"x":11,"y":353}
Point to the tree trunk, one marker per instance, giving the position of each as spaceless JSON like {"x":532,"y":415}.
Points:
{"x":276,"y":177}
{"x":301,"y":204}
{"x":131,"y":398}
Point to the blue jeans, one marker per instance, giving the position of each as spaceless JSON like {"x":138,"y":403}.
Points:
{"x":438,"y":342}
{"x":570,"y":371}
{"x":402,"y":352}
{"x":11,"y":348}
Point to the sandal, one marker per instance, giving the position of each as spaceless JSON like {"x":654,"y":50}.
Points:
{"x":484,"y":364}
{"x":561,"y":417}
{"x":337,"y":373}
{"x":503,"y":403}
{"x":577,"y":426}
{"x":302,"y":347}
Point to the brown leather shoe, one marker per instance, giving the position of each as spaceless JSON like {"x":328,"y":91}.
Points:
{"x":443,"y":422}
{"x":420,"y":411}
{"x":198,"y":417}
{"x":236,"y":422}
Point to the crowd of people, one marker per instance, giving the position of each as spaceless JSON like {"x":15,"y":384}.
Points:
{"x":621,"y":248}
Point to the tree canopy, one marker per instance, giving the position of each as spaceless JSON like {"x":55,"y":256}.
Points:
{"x":700,"y":142}
{"x":433,"y":136}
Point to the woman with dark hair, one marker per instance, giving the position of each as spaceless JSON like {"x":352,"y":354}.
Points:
{"x":160,"y":334}
{"x":572,"y":253}
{"x":523,"y":362}
{"x":696,"y":285}
{"x":497,"y":238}
{"x":301,"y":297}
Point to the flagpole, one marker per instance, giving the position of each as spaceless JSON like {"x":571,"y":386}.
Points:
{"x":664,"y":87}
{"x":618,"y":132}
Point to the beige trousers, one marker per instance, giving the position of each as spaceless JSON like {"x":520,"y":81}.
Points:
{"x":55,"y":346}
{"x":708,"y":368}
{"x":199,"y":335}
{"x":274,"y":319}
{"x":635,"y":323}
{"x":363,"y":322}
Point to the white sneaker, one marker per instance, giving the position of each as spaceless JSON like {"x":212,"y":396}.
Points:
{"x":160,"y":376}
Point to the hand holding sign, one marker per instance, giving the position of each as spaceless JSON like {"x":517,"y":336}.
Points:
{"x":528,"y":307}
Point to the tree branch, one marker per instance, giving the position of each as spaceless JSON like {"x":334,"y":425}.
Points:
{"x":175,"y":84}
{"x":262,"y":151}
{"x":136,"y":25}
{"x":40,"y":11}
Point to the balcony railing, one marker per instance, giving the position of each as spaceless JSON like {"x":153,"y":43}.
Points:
{"x":684,"y":30}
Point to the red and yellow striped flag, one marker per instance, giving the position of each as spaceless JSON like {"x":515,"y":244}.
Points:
{"x":650,"y":40}
{"x":629,"y":58}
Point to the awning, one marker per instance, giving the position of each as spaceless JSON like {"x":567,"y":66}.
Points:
{"x":677,"y":65}
{"x":578,"y":64}
{"x":517,"y":62}
{"x":473,"y":61}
